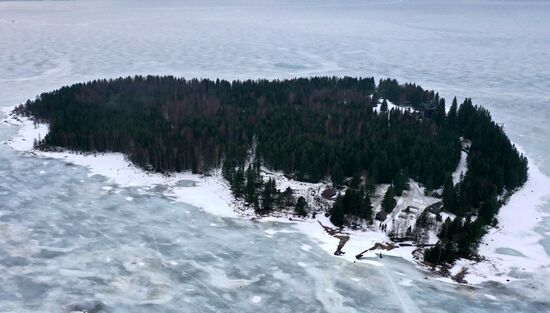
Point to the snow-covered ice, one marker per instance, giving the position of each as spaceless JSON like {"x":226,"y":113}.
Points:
{"x":65,"y":241}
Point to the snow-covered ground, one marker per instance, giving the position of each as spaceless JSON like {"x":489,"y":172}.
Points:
{"x":511,"y":246}
{"x":461,"y":168}
{"x":392,"y":106}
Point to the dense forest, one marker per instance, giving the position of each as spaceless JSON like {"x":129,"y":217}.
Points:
{"x":320,"y":128}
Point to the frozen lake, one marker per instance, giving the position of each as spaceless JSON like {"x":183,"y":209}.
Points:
{"x":68,"y":239}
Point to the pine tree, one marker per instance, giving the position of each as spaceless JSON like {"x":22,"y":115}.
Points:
{"x":370,"y":185}
{"x":228,"y":170}
{"x":268,"y":193}
{"x":237,"y":184}
{"x":400,"y":183}
{"x":450,"y":202}
{"x":452,"y":115}
{"x":355,"y":181}
{"x":337,"y":212}
{"x":384,"y":106}
{"x":250,"y":187}
{"x":388,"y":203}
{"x":366,"y":209}
{"x":288,"y":198}
{"x":337,"y":175}
{"x":374,"y":99}
{"x":438,"y":115}
{"x":301,"y":206}
{"x":488,"y":209}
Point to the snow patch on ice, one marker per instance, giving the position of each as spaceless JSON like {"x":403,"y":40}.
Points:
{"x":491,"y":297}
{"x":256,"y":299}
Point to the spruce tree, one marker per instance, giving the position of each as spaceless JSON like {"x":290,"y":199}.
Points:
{"x":452,"y":115}
{"x":228,"y":170}
{"x":288,"y":198}
{"x":400,"y":183}
{"x":238,"y":182}
{"x":250,"y":187}
{"x":384,"y":106}
{"x":370,"y":185}
{"x":337,"y":213}
{"x":301,"y":206}
{"x":366,"y":209}
{"x":268,"y":193}
{"x":337,"y":175}
{"x":388,"y":203}
{"x":450,"y":202}
{"x":438,"y":115}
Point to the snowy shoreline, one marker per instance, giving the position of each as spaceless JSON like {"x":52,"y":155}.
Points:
{"x":513,"y":245}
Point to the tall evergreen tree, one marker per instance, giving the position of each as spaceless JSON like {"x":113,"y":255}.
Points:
{"x":389,"y":203}
{"x":301,"y":206}
{"x":366,"y":210}
{"x":438,"y":115}
{"x":450,"y":202}
{"x":237,"y":183}
{"x":250,"y":188}
{"x":337,"y":213}
{"x":268,"y":194}
{"x":337,"y":175}
{"x":288,"y":197}
{"x":384,"y":106}
{"x":452,"y":115}
{"x":400,"y":183}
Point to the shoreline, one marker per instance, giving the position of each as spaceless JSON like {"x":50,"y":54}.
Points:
{"x":212,"y":195}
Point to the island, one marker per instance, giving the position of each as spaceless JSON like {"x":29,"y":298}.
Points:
{"x":365,"y":150}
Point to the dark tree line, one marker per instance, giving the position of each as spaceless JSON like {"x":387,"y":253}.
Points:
{"x":309,"y":128}
{"x":354,"y":202}
{"x":263,"y":196}
{"x":494,"y":167}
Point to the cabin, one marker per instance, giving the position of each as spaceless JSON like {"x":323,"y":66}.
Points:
{"x":412,"y":209}
{"x":381,"y":216}
{"x":329,"y":193}
{"x":434,"y":208}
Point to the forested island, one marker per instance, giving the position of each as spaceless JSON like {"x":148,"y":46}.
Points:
{"x":351,"y":132}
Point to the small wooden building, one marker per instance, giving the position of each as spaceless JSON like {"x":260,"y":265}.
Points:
{"x":381,"y":216}
{"x":329,"y":193}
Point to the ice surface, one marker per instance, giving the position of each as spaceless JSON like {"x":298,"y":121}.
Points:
{"x":66,"y":242}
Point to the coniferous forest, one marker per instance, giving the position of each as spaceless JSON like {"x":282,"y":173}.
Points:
{"x":309,"y":128}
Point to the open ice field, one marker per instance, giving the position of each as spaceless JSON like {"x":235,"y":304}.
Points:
{"x":71,"y":240}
